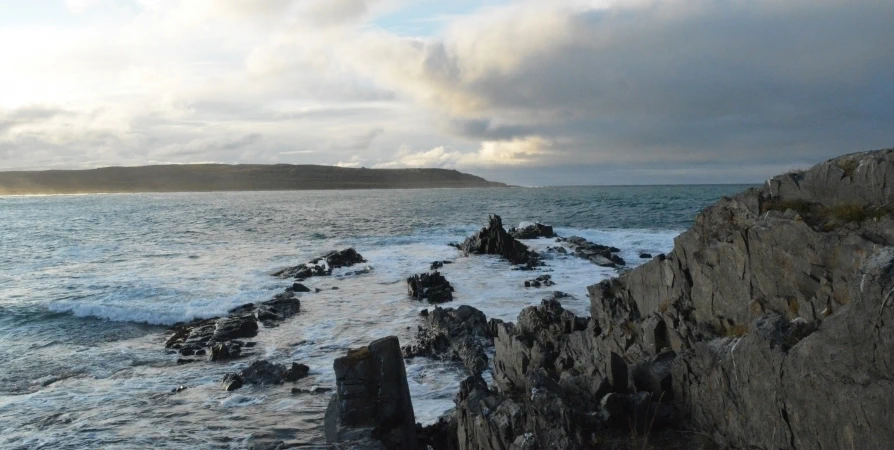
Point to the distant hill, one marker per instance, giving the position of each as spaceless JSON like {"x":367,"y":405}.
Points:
{"x":223,"y":177}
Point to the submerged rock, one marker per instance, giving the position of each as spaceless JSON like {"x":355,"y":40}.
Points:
{"x":431,"y":286}
{"x":494,"y":240}
{"x":372,"y":400}
{"x":265,"y":373}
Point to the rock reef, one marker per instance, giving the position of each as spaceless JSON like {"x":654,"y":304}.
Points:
{"x":494,"y":240}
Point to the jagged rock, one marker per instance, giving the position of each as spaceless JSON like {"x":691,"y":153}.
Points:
{"x":440,"y":435}
{"x":494,"y":240}
{"x":431,"y":286}
{"x":298,"y":287}
{"x":535,"y":231}
{"x":372,"y":398}
{"x":485,"y":419}
{"x":231,"y":382}
{"x":461,"y":334}
{"x":323,"y":265}
{"x":436,"y":265}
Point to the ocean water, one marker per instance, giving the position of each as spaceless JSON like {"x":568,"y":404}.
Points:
{"x":89,"y":284}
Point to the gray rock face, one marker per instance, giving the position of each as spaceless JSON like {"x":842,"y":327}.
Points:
{"x":741,"y":292}
{"x":372,"y":399}
{"x":767,"y":327}
{"x":460,"y":334}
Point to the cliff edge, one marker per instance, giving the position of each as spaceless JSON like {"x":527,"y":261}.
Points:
{"x":769,"y":326}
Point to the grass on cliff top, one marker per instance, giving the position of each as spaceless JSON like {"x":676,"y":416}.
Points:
{"x":828,"y":218}
{"x":849,"y":166}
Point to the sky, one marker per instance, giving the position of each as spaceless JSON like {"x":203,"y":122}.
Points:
{"x":530,"y":92}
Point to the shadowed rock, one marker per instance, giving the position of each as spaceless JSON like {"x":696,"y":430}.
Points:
{"x":538,"y":230}
{"x":372,"y":399}
{"x":460,"y":334}
{"x":494,"y":240}
{"x":430,"y":286}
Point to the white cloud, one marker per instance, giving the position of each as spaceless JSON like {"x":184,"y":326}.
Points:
{"x":513,"y":152}
{"x":524,"y":84}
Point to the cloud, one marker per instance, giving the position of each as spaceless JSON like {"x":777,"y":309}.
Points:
{"x":670,"y":86}
{"x":514,"y":152}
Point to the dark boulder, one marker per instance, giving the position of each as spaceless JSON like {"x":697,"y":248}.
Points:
{"x":494,"y":240}
{"x":436,"y":265}
{"x":232,"y":381}
{"x":460,"y":334}
{"x":323,"y":265}
{"x":296,"y":372}
{"x":538,"y":230}
{"x":440,"y":435}
{"x":222,"y":351}
{"x":372,"y":399}
{"x":431,"y":286}
{"x":541,"y":281}
{"x":298,"y":287}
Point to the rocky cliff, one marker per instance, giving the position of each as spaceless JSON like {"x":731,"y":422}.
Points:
{"x":767,"y":326}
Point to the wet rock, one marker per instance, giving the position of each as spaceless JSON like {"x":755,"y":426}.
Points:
{"x":231,"y":382}
{"x":541,"y":281}
{"x":460,"y":334}
{"x":182,"y":361}
{"x":440,"y":435}
{"x":535,"y":231}
{"x":264,"y":372}
{"x":494,"y":240}
{"x":372,"y":399}
{"x":601,"y":255}
{"x":298,"y":287}
{"x":431,"y":286}
{"x":177,"y":389}
{"x":323,"y":265}
{"x":436,"y":265}
{"x":314,"y":391}
{"x":223,"y":351}
{"x":645,"y":255}
{"x":296,"y":372}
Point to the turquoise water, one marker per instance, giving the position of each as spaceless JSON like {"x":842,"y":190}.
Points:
{"x":87,"y":284}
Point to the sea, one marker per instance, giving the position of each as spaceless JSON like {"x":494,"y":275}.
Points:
{"x":89,"y":285}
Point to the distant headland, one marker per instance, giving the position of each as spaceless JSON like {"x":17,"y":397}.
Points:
{"x":224,"y":177}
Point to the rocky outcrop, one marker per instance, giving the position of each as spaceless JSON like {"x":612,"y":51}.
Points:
{"x":430,"y":286}
{"x":220,"y":337}
{"x":372,"y":400}
{"x":768,"y":326}
{"x":541,"y":281}
{"x":461,"y":334}
{"x":537,"y":230}
{"x":265,"y":373}
{"x":323,"y":265}
{"x":601,"y":255}
{"x":494,"y":240}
